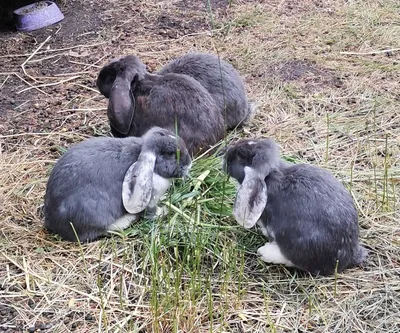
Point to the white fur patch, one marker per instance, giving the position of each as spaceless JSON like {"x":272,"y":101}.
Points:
{"x":271,"y":253}
{"x":160,"y":186}
{"x":123,"y":222}
{"x":251,"y":143}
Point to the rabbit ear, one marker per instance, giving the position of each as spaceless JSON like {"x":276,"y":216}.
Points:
{"x":267,"y":158}
{"x":138,"y":183}
{"x":251,"y":199}
{"x":121,"y":105}
{"x":107,"y":76}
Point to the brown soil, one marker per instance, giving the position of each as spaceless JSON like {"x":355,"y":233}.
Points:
{"x":36,"y":6}
{"x":26,"y":109}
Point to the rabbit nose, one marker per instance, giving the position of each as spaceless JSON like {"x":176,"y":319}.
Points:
{"x":185,"y":172}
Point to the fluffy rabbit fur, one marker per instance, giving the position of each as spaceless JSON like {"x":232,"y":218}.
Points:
{"x":114,"y":82}
{"x":188,"y":89}
{"x":104,"y":184}
{"x":173,"y":101}
{"x":307,"y":214}
{"x":221,"y":80}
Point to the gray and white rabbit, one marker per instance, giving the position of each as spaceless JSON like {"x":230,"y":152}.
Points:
{"x":192,"y":90}
{"x":307,"y":214}
{"x":105,"y":184}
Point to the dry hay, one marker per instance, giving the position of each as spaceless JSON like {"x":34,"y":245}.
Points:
{"x":326,"y":77}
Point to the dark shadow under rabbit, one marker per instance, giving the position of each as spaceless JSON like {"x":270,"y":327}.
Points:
{"x":104,"y":184}
{"x":198,"y":95}
{"x":308,"y":216}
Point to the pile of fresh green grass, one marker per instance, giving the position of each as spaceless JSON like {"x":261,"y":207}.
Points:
{"x":191,"y":254}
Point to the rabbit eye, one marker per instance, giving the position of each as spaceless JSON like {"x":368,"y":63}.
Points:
{"x":241,"y":157}
{"x":170,"y":153}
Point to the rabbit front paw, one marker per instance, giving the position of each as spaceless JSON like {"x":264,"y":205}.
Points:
{"x":271,"y":253}
{"x":153,"y":213}
{"x":123,"y":222}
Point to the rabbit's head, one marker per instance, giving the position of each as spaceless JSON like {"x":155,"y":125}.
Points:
{"x":261,"y":155}
{"x":250,"y":162}
{"x":172,"y":157}
{"x":163,"y":153}
{"x":115,"y":82}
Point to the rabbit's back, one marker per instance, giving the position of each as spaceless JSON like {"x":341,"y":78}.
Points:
{"x":312,"y":217}
{"x":177,"y":100}
{"x":84,"y":187}
{"x":219,"y":78}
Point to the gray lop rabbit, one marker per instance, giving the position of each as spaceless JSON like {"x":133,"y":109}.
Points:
{"x":172,"y":101}
{"x":105,"y":184}
{"x":192,"y":90}
{"x":307,"y":214}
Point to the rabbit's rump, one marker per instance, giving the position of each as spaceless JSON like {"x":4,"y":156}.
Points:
{"x":220,"y":79}
{"x":87,"y":208}
{"x":312,"y":218}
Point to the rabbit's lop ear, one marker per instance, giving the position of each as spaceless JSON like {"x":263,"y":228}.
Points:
{"x":121,"y":105}
{"x":115,"y":81}
{"x":138,"y":183}
{"x":251,"y":199}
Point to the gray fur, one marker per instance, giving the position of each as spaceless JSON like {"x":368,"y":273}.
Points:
{"x":221,"y":80}
{"x":179,"y":103}
{"x":189,"y":89}
{"x":114,"y":82}
{"x":309,"y":214}
{"x":124,"y":67}
{"x":85,"y":185}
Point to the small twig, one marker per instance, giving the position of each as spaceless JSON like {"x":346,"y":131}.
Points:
{"x":47,"y":57}
{"x":94,"y":64}
{"x":54,"y":50}
{"x":26,"y":82}
{"x":82,"y":110}
{"x":4,"y":81}
{"x":49,"y":84}
{"x":22,"y":104}
{"x":67,"y":134}
{"x":163,"y":41}
{"x":86,"y":87}
{"x":31,"y":56}
{"x":83,"y":64}
{"x":74,"y":73}
{"x":371,"y":52}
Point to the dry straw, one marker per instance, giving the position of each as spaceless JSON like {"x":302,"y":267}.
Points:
{"x":327,"y":95}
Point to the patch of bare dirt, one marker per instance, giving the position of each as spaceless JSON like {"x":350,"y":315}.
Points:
{"x":294,"y":7}
{"x":203,"y":5}
{"x":306,"y":73}
{"x":179,"y":25}
{"x":56,"y":89}
{"x":25,"y":108}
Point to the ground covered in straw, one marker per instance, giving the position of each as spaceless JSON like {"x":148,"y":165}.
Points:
{"x":326,"y":76}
